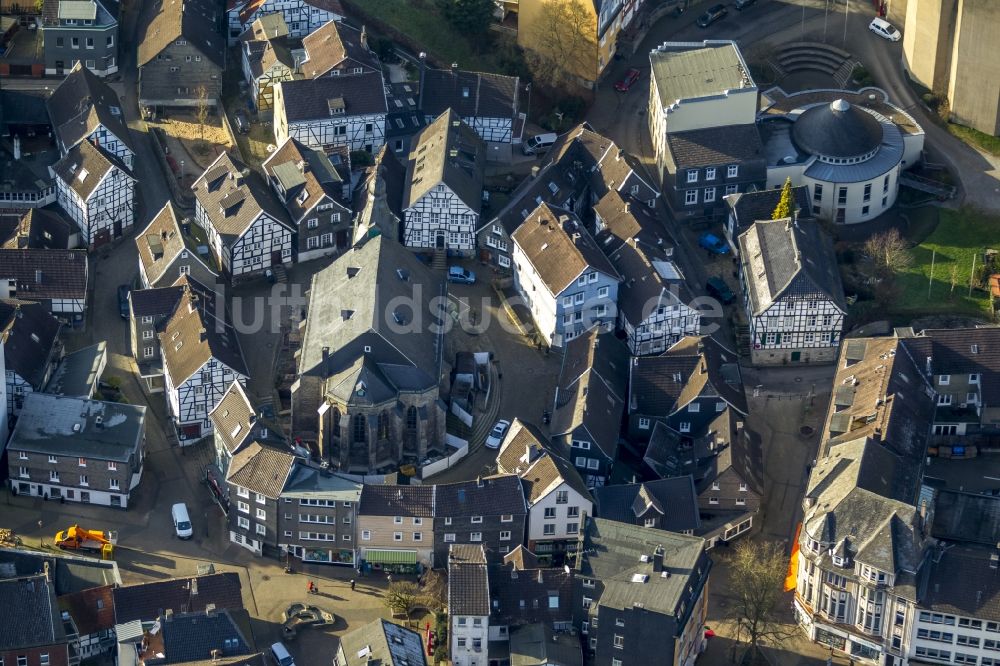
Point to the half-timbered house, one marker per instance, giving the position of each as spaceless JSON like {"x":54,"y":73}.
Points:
{"x":166,"y":253}
{"x":301,"y":16}
{"x":96,"y":190}
{"x":201,"y":358}
{"x":313,"y":189}
{"x":39,"y":229}
{"x":236,"y":424}
{"x":444,"y":187}
{"x":85,"y":108}
{"x":332,"y":111}
{"x":55,"y":278}
{"x":745,"y":208}
{"x":246,"y":226}
{"x":30,"y":339}
{"x":337,"y":49}
{"x":488,"y":103}
{"x":562,"y":277}
{"x":267,"y":56}
{"x":792,"y":292}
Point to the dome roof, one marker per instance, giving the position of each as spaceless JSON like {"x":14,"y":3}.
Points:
{"x":838,"y":129}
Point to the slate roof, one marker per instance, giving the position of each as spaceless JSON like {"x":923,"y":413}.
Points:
{"x":80,"y":104}
{"x":236,"y":422}
{"x":468,"y":94}
{"x":963,"y":581}
{"x":36,"y":621}
{"x":192,"y":637}
{"x":446,"y":152}
{"x":468,"y":581}
{"x":63,"y":273}
{"x":612,"y":553}
{"x":331,"y":44}
{"x":728,"y":144}
{"x":191,"y":338}
{"x":21,"y":322}
{"x":84,"y":166}
{"x":196,"y":21}
{"x":691,"y":70}
{"x":74,"y":427}
{"x":160,"y":302}
{"x":960,"y":351}
{"x":69,"y":574}
{"x":40,"y":228}
{"x":492,"y":496}
{"x":92,"y":610}
{"x":782,"y":258}
{"x":161,"y":242}
{"x":537,"y":645}
{"x":541,"y":464}
{"x":147,"y":601}
{"x":521,"y":558}
{"x":308,"y":99}
{"x":234,"y":196}
{"x":261,"y":469}
{"x":548,"y":473}
{"x":379,"y":200}
{"x":521,"y":596}
{"x":748,"y":207}
{"x":966,"y":517}
{"x":592,"y":384}
{"x":838,"y":129}
{"x":385,"y":643}
{"x":673,"y":499}
{"x":386,"y":500}
{"x":559,"y":248}
{"x":316,"y":176}
{"x":79,"y":372}
{"x":308,"y":482}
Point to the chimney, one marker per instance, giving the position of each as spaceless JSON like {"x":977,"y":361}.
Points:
{"x":658,"y":559}
{"x":928,"y":371}
{"x":17,"y":147}
{"x":364,"y":37}
{"x":209,"y":610}
{"x":326,"y":354}
{"x":454,"y":68}
{"x":628,"y":207}
{"x":48,"y":576}
{"x":194,"y":587}
{"x":168,"y":615}
{"x":534,"y":171}
{"x":540,"y":579}
{"x":216,"y":653}
{"x":479,"y":481}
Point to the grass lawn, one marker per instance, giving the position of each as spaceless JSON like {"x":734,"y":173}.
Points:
{"x":959,"y":236}
{"x":420,"y":21}
{"x":985,"y":142}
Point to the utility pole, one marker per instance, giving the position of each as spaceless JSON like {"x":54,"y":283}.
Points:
{"x":847,"y":4}
{"x":826,"y":13}
{"x":930,"y":278}
{"x":972,"y":278}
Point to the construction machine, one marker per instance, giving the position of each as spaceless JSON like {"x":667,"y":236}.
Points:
{"x":77,"y":538}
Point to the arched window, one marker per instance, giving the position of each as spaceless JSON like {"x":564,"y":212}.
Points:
{"x":383,"y":426}
{"x":411,"y":420}
{"x":360,"y":429}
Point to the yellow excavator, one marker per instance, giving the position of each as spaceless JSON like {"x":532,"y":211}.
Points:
{"x":77,"y":538}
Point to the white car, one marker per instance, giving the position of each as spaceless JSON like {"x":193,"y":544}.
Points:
{"x":497,"y":434}
{"x":884,"y":30}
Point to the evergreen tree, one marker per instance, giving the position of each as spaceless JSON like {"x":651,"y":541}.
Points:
{"x":785,"y":207}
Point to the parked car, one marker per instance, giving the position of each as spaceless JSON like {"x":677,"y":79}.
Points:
{"x":717,"y":288}
{"x":123,"y":308}
{"x":743,"y":4}
{"x":631,"y":76}
{"x":539,"y":143}
{"x":497,"y":434}
{"x":182,"y":521}
{"x":242,"y":122}
{"x":713,"y":244}
{"x":714,"y":13}
{"x":281,"y":655}
{"x":461,"y":275}
{"x":884,"y":29}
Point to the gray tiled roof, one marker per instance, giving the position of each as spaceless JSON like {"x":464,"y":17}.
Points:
{"x":963,"y":581}
{"x":496,"y":495}
{"x":159,"y":302}
{"x":308,"y":482}
{"x":951,"y":353}
{"x":966,"y":517}
{"x":468,"y":581}
{"x":521,"y":596}
{"x":192,"y":637}
{"x":446,"y":152}
{"x":166,"y":21}
{"x":729,"y":144}
{"x":382,"y":643}
{"x":33,"y":617}
{"x":262,"y":469}
{"x":674,"y":499}
{"x":537,"y":645}
{"x":78,"y":372}
{"x":147,"y":601}
{"x":469,"y":94}
{"x":308,"y":99}
{"x":46,"y":274}
{"x":330,"y":44}
{"x":21,"y":323}
{"x":192,"y":337}
{"x":748,"y":207}
{"x":234,"y":196}
{"x":82,"y":102}
{"x":386,"y":500}
{"x":61,"y":426}
{"x":236,"y":422}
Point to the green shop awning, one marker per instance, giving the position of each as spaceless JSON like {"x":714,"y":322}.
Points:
{"x":391,"y":556}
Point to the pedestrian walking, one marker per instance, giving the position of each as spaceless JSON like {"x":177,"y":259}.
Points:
{"x":352,"y":585}
{"x":388,"y":577}
{"x":311,"y":588}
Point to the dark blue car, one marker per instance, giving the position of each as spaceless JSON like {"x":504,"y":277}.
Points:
{"x":713,"y":244}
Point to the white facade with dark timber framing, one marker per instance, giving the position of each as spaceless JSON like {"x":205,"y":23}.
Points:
{"x":793,"y":296}
{"x":332,"y":111}
{"x":488,"y":103}
{"x":444,"y":188}
{"x":300,"y":16}
{"x":96,"y":191}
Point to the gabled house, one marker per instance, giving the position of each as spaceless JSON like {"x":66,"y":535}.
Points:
{"x":144,"y":602}
{"x":166,"y":253}
{"x":70,"y":30}
{"x":444,"y":187}
{"x":247,"y":228}
{"x":28,"y":180}
{"x":663,"y":504}
{"x":381,"y":642}
{"x":561,"y":275}
{"x":56,"y":279}
{"x":96,"y":190}
{"x":255,"y":478}
{"x":555,"y":493}
{"x":301,"y":16}
{"x":183,"y":638}
{"x":313,"y":190}
{"x":686,"y":387}
{"x":332,"y":111}
{"x":267,"y":56}
{"x":41,"y":229}
{"x":337,"y":49}
{"x":468,"y":605}
{"x":92,"y":612}
{"x":525,"y":594}
{"x":745,"y":208}
{"x":35,"y":635}
{"x":30,"y":339}
{"x":181,"y":54}
{"x":395,"y":530}
{"x":488,"y":103}
{"x":236,"y":424}
{"x":590,"y":403}
{"x":201,"y":358}
{"x":85,"y":108}
{"x":489,"y":513}
{"x":793,"y":296}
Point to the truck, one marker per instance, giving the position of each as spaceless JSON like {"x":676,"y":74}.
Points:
{"x":77,"y":538}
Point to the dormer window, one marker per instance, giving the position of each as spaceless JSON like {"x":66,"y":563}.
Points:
{"x":337,"y":106}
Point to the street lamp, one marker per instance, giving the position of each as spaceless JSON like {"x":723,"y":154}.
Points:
{"x":41,"y":539}
{"x":182,"y":170}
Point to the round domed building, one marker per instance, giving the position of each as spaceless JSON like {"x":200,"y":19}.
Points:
{"x":847,"y":147}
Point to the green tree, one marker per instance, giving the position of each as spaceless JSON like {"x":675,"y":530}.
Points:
{"x":469,"y":16}
{"x":785,"y":206}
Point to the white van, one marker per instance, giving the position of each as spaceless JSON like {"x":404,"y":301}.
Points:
{"x":281,"y":656}
{"x":182,"y":522}
{"x":538,"y":143}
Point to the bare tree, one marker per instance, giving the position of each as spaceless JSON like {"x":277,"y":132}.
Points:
{"x":401,"y":598}
{"x":434,"y":591}
{"x":202,"y":111}
{"x":757,"y":577}
{"x":562,"y":44}
{"x":953,"y":278}
{"x":888,"y":252}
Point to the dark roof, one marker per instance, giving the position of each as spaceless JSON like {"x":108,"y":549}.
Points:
{"x":385,"y":643}
{"x":236,"y":422}
{"x":496,"y":495}
{"x":966,"y":517}
{"x":46,"y":274}
{"x":192,"y":337}
{"x":961,"y":351}
{"x":522,"y":596}
{"x":196,"y":21}
{"x":79,"y":372}
{"x":69,"y":574}
{"x":546,"y":474}
{"x":469,"y":94}
{"x":838,"y":129}
{"x":537,"y":645}
{"x":446,"y":152}
{"x":379,"y":199}
{"x":299,"y":168}
{"x":541,"y":464}
{"x":193,"y":637}
{"x":308,"y":99}
{"x":84,"y":166}
{"x":147,"y":601}
{"x":521,"y":558}
{"x":160,"y":302}
{"x":748,"y":207}
{"x":728,"y":144}
{"x":80,"y":104}
{"x":33,"y":617}
{"x":92,"y":610}
{"x":782,"y":258}
{"x":673,"y":501}
{"x":386,"y":500}
{"x":234,"y":196}
{"x":963,"y":581}
{"x":29,"y":335}
{"x":262,"y":469}
{"x":332,"y":43}
{"x":468,"y":582}
{"x":163,"y":241}
{"x":40,"y":228}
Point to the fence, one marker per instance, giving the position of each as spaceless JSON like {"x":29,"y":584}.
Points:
{"x":461,"y":447}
